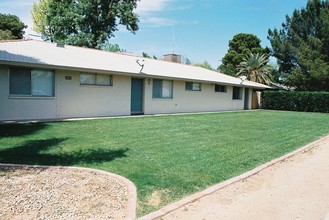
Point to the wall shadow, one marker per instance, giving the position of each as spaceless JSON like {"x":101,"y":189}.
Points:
{"x":6,"y":56}
{"x":16,"y":130}
{"x":36,"y":152}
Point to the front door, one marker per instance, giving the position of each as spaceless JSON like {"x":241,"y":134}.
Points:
{"x":254,"y":102}
{"x":246,"y":99}
{"x":136,"y":96}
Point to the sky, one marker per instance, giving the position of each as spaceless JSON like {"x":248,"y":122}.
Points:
{"x":196,"y":29}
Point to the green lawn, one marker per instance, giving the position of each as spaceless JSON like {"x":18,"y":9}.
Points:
{"x":173,"y":156}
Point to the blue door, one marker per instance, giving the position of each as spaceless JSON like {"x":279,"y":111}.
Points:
{"x":246,"y":99}
{"x":136,"y":96}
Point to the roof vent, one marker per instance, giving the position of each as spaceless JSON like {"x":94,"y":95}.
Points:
{"x":61,"y":45}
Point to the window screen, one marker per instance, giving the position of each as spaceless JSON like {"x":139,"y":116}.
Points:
{"x":220,"y":88}
{"x":95,"y":79}
{"x":42,"y":83}
{"x":193,"y":86}
{"x":162,"y":89}
{"x":237,"y":93}
{"x":26,"y":82}
{"x":20,"y":81}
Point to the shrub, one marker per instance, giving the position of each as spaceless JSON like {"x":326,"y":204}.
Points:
{"x":296,"y":101}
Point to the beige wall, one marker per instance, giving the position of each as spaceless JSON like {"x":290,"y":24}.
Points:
{"x":74,"y":100}
{"x":193,"y":101}
{"x":18,"y":108}
{"x":71,"y":99}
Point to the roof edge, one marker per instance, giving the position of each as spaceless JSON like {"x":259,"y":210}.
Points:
{"x":14,"y":40}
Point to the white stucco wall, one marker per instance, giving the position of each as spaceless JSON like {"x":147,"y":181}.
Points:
{"x":193,"y":101}
{"x":71,"y":99}
{"x":20,"y":108}
{"x":75,"y":100}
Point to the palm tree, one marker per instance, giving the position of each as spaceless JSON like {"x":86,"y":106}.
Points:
{"x":255,"y":67}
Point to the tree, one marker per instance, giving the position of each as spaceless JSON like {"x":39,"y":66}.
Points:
{"x":144,"y":54}
{"x":11,"y":27}
{"x":39,"y":16}
{"x":275,"y":75}
{"x":301,"y":47}
{"x":205,"y":65}
{"x":255,"y":67}
{"x":83,"y":22}
{"x":107,"y":46}
{"x":239,"y":47}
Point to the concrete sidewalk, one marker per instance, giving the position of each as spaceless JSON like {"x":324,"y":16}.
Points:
{"x":296,"y":188}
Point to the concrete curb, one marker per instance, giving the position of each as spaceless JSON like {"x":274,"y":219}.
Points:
{"x":190,"y":199}
{"x":119,"y":116}
{"x":132,"y":193}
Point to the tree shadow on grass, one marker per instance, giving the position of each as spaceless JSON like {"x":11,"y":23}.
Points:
{"x":16,"y":130}
{"x":36,"y":152}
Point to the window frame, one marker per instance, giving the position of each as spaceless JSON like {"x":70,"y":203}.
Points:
{"x":30,"y":94}
{"x":237,"y":95}
{"x":161,"y":96}
{"x":96,"y":84}
{"x":189,"y":86}
{"x":220,"y":88}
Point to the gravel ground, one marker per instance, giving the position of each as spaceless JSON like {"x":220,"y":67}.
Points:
{"x":54,"y":193}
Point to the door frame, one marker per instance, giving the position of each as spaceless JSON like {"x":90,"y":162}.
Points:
{"x":141,"y":112}
{"x":246,"y":99}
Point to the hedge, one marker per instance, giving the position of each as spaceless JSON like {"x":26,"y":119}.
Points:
{"x":296,"y":101}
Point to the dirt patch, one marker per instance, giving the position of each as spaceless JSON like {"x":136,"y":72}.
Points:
{"x":52,"y":193}
{"x":155,"y":199}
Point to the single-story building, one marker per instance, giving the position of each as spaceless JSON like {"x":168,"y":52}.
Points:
{"x":43,"y":80}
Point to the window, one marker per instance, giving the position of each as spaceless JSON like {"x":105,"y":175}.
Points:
{"x":27,"y":82}
{"x":220,"y":88}
{"x":95,"y":79}
{"x":162,"y":89}
{"x":193,"y":86}
{"x":237,"y":93}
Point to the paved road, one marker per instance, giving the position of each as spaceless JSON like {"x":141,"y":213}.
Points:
{"x":297,"y":188}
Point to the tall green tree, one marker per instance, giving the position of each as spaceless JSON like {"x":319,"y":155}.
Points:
{"x":205,"y":64}
{"x":11,"y":27}
{"x":301,"y":47}
{"x":144,"y":54}
{"x":107,"y":46}
{"x":239,"y":47}
{"x":84,"y":22}
{"x":39,"y":14}
{"x":256,"y":68}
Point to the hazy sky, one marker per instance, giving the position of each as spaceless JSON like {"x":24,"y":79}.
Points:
{"x":200,"y":29}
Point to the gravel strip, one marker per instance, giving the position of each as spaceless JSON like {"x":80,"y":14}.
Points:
{"x":55,"y":193}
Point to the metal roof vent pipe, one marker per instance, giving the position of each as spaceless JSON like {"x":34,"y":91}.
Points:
{"x":61,"y":45}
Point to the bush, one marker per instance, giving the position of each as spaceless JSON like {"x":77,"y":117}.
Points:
{"x":296,"y":101}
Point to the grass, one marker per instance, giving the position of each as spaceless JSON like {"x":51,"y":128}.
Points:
{"x":168,"y":156}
